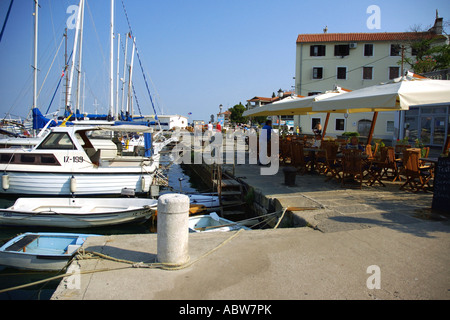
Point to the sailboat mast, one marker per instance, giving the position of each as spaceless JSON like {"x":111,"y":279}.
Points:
{"x":72,"y":67}
{"x":111,"y":65}
{"x":117,"y":74}
{"x":36,"y":19}
{"x":130,"y":82}
{"x":80,"y":57}
{"x":125,"y":63}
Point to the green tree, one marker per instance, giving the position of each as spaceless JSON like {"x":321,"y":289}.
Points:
{"x":429,"y":56}
{"x":236,"y":113}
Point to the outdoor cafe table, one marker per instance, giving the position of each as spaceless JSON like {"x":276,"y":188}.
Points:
{"x":431,"y":160}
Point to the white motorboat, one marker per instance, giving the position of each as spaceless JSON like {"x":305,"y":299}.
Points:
{"x":41,"y":251}
{"x":77,"y":212}
{"x":68,"y":162}
{"x":213,"y":223}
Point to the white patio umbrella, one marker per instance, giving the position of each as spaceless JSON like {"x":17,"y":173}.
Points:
{"x":291,"y":105}
{"x":398,"y":95}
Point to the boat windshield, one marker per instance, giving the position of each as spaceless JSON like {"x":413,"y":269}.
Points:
{"x":57,"y":140}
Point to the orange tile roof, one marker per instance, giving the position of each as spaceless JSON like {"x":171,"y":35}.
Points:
{"x":348,"y":37}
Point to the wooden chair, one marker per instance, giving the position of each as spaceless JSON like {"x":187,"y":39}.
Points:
{"x":388,"y":163}
{"x":352,"y":166}
{"x":333,"y":166}
{"x":321,"y":157}
{"x":285,"y":151}
{"x":376,"y":169}
{"x":424,"y":154}
{"x":416,"y":178}
{"x":298,"y":159}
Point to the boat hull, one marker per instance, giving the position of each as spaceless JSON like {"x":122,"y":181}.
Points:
{"x":61,"y":184}
{"x":76,"y":213}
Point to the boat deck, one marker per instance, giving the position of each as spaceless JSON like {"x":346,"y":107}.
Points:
{"x":22,"y":243}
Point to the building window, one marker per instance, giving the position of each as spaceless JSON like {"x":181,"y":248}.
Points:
{"x":342,"y":73}
{"x":317,"y":73}
{"x":394,"y":72}
{"x":341,"y":50}
{"x":314,"y":122}
{"x":317,"y":51}
{"x":368,"y":50}
{"x":340,"y":124}
{"x":395,"y":50}
{"x":390,"y":126}
{"x":367,"y":73}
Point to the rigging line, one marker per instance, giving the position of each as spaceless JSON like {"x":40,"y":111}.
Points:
{"x":6,"y":19}
{"x":140,"y":63}
{"x":135,"y":98}
{"x":51,"y":65}
{"x":95,"y":30}
{"x":59,"y":83}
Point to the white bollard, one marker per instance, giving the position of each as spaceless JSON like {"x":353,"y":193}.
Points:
{"x":173,"y":229}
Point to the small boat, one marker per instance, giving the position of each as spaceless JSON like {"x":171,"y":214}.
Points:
{"x":41,"y":251}
{"x":77,"y":212}
{"x":213,"y":223}
{"x":209,"y":201}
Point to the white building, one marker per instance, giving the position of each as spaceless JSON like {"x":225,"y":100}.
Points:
{"x":353,"y":61}
{"x":169,"y":122}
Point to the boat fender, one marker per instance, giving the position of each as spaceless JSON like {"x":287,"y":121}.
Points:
{"x":143,"y":188}
{"x":5,"y":182}
{"x":73,"y":184}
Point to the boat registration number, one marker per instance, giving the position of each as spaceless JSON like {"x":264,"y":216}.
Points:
{"x":77,"y":159}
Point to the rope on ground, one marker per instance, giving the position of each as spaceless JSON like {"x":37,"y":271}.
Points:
{"x":83,"y":255}
{"x":281,"y":218}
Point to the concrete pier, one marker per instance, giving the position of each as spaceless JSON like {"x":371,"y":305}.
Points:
{"x":331,"y":254}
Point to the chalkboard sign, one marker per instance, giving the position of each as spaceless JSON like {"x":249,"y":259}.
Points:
{"x":441,"y":196}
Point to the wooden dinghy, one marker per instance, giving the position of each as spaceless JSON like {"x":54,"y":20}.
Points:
{"x":41,"y":251}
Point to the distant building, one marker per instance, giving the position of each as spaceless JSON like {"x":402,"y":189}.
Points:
{"x":168,"y":122}
{"x":257,"y":102}
{"x":353,"y":61}
{"x":225,"y":115}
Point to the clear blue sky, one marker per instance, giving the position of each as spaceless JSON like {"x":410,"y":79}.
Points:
{"x":196,"y":54}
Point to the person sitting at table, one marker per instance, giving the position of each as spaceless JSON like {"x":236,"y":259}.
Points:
{"x":318,"y":129}
{"x":354,"y":144}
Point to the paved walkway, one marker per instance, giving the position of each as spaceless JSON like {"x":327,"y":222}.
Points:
{"x":350,"y":232}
